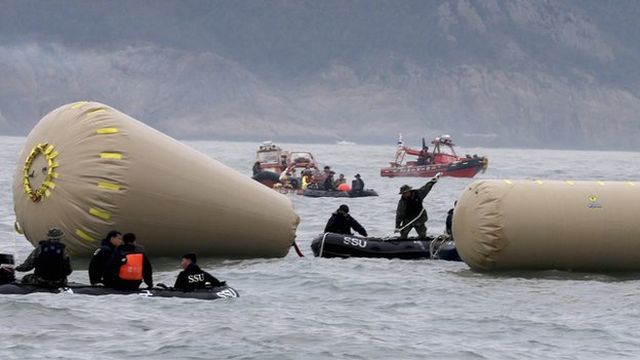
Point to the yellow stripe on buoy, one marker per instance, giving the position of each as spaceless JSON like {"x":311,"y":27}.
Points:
{"x":570,"y":183}
{"x":52,"y":155}
{"x":508,"y":182}
{"x":54,"y":165}
{"x":108,"y":186}
{"x":55,"y":175}
{"x":48,"y":150}
{"x":631,"y":183}
{"x":84,"y":236}
{"x":96,"y":111}
{"x":99,"y":213}
{"x":601,"y":183}
{"x":539,"y":182}
{"x":47,"y":193}
{"x":104,"y":131}
{"x":49,"y":184}
{"x":109,"y":155}
{"x":78,"y":104}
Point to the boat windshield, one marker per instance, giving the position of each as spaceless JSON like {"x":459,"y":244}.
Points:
{"x":268,"y":156}
{"x":301,"y":157}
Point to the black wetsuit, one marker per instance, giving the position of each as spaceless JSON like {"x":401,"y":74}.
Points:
{"x":342,"y":223}
{"x":357,"y":186}
{"x":101,"y":267}
{"x":193,"y":278}
{"x":449,"y":221}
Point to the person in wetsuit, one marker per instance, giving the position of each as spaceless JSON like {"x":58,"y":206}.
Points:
{"x":410,"y":212}
{"x":101,"y":266}
{"x":50,"y":260}
{"x":192,"y":277}
{"x":341,"y":222}
{"x":449,"y":221}
{"x":357,"y":186}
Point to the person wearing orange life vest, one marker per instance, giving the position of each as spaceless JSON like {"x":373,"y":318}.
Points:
{"x":134,"y":266}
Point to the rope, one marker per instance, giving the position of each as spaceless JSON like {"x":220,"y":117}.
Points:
{"x":412,"y":221}
{"x":322,"y":244}
{"x":295,"y":246}
{"x":439,"y":241}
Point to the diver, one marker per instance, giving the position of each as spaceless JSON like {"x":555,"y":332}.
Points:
{"x":449,"y":221}
{"x":341,"y":222}
{"x":134,"y":265}
{"x":50,"y":260}
{"x":101,"y":268}
{"x":357,"y":186}
{"x":410,"y":212}
{"x":192,"y":277}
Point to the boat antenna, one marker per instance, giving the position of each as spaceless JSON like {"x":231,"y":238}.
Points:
{"x":400,"y":142}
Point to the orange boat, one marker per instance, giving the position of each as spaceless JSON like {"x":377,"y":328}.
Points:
{"x":441,"y":159}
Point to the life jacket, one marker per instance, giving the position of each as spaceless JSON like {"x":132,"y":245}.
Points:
{"x":50,"y":262}
{"x":131,"y":269}
{"x":414,"y":206}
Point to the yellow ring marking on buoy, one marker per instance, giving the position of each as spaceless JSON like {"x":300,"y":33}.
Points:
{"x":108,"y":186}
{"x":601,"y":183}
{"x":84,"y":236}
{"x":99,"y":213}
{"x":47,"y":150}
{"x":96,"y":111}
{"x":104,"y":131}
{"x":570,"y":183}
{"x":109,"y":155}
{"x":593,"y":198}
{"x":508,"y":182}
{"x":539,"y":182}
{"x":78,"y":104}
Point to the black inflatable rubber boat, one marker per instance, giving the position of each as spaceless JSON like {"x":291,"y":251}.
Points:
{"x":341,"y":194}
{"x":76,"y":288}
{"x":338,"y":245}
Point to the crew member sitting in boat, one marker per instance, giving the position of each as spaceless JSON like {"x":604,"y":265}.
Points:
{"x":340,"y":180}
{"x":100,"y":266}
{"x":357,"y":185}
{"x":192,"y":277}
{"x":410,"y":212}
{"x":50,"y":260}
{"x":328,"y":182}
{"x":341,"y":222}
{"x":134,"y":265}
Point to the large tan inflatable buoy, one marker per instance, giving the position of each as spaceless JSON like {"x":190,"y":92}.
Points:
{"x":564,"y":225}
{"x":87,"y":168}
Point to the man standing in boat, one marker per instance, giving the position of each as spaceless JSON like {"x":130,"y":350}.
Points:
{"x":410,"y":212}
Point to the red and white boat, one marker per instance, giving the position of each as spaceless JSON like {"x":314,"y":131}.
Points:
{"x":441,"y":159}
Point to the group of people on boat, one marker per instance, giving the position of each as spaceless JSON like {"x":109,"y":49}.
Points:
{"x":118,"y":264}
{"x":410,"y":214}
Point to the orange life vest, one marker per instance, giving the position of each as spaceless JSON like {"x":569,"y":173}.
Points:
{"x":132,"y":268}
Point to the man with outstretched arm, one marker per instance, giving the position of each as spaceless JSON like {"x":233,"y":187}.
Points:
{"x":410,"y":212}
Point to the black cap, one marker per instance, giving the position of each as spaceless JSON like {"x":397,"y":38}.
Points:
{"x":344,"y":208}
{"x":405,"y":188}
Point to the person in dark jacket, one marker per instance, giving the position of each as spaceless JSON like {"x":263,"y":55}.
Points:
{"x":101,"y":267}
{"x":410,"y":212}
{"x":342,"y":223}
{"x":357,"y":185}
{"x":50,"y":260}
{"x":449,"y":221}
{"x":122,"y":262}
{"x":328,"y":182}
{"x":192,"y":277}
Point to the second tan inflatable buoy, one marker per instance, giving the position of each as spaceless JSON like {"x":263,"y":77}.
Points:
{"x":565,"y":225}
{"x":87,"y":168}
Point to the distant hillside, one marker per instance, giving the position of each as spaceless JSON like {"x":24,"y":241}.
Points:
{"x":511,"y":73}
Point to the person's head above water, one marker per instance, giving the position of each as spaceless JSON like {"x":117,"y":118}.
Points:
{"x":188,"y":259}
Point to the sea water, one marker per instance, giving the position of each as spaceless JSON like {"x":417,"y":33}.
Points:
{"x":310,"y":308}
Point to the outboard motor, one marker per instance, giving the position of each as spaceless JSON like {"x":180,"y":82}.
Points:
{"x":6,"y":269}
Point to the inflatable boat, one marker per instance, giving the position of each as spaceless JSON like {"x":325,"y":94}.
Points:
{"x":330,"y":245}
{"x":219,"y":292}
{"x":327,"y":193}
